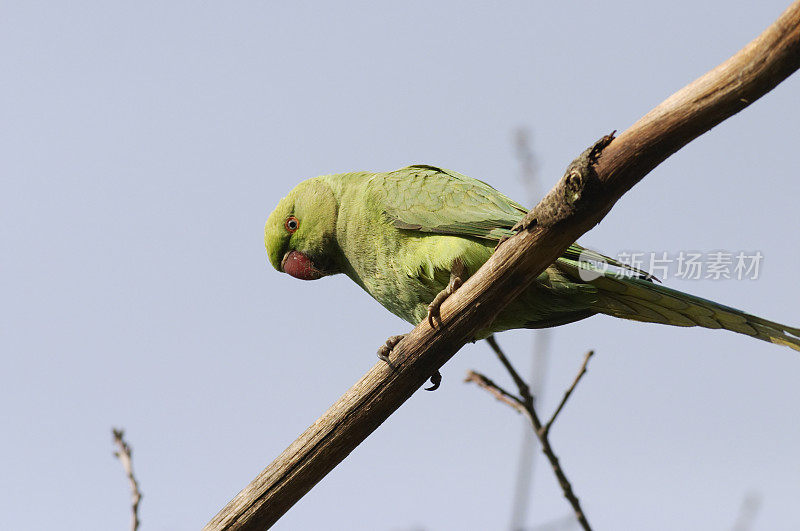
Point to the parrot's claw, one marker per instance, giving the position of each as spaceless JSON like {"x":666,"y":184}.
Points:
{"x":386,"y":348}
{"x":457,"y":272}
{"x":436,"y":380}
{"x":435,"y":306}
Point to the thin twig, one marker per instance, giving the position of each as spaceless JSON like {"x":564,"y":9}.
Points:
{"x":125,"y":456}
{"x":578,"y":377}
{"x":524,"y":390}
{"x":498,"y":392}
{"x":524,"y":403}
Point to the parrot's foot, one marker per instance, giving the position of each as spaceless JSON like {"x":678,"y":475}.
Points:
{"x":457,"y":272}
{"x":436,"y":380}
{"x":386,"y":348}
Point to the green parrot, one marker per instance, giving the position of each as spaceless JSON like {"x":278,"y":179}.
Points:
{"x":410,"y":237}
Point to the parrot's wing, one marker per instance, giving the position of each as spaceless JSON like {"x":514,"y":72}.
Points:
{"x":429,"y":199}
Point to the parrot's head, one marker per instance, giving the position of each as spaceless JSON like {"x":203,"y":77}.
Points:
{"x":300,"y":233}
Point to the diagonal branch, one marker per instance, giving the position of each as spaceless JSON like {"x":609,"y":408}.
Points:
{"x":577,"y":203}
{"x":522,"y":385}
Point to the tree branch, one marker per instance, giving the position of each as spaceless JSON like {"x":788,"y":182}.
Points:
{"x":581,"y":372}
{"x":125,"y":455}
{"x":498,"y":392}
{"x":577,"y":203}
{"x":522,"y":385}
{"x":524,"y":404}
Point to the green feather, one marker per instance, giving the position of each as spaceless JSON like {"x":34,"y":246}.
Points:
{"x":433,"y":200}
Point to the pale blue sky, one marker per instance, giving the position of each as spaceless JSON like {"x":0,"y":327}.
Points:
{"x":143,"y":146}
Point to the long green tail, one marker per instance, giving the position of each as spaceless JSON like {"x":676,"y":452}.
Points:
{"x":642,"y":300}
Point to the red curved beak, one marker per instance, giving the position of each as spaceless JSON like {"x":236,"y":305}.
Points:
{"x":299,"y":266}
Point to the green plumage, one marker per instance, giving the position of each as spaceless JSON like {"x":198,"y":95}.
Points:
{"x":397,"y":234}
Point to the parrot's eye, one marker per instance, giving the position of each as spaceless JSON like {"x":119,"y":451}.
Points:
{"x":291,"y":224}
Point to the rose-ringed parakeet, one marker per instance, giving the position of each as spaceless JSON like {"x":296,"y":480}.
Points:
{"x":409,"y":237}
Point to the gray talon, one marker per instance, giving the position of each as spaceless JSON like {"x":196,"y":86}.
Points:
{"x":457,"y":272}
{"x":386,"y":348}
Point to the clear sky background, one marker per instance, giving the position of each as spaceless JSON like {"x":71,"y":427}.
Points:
{"x":143,"y":146}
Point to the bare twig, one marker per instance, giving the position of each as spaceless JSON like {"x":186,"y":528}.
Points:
{"x":580,"y":200}
{"x":522,"y":385}
{"x":495,"y":390}
{"x":581,"y":372}
{"x":524,"y":404}
{"x":125,"y":456}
